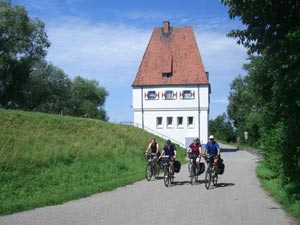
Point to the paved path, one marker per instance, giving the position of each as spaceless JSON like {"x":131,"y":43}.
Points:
{"x":238,"y":199}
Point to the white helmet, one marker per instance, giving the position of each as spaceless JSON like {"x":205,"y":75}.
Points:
{"x":211,"y":137}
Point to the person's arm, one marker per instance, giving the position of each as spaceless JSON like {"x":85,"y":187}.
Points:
{"x":205,"y":150}
{"x":218,"y":150}
{"x":149,"y":146}
{"x":187,"y":151}
{"x":157,"y":148}
{"x":174,"y":149}
{"x":162,"y":153}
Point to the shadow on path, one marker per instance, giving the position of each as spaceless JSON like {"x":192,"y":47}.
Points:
{"x":224,"y":185}
{"x":229,"y":150}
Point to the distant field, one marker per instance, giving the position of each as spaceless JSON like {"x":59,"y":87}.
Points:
{"x":49,"y":159}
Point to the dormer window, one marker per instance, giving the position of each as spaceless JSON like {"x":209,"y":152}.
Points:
{"x":166,"y":74}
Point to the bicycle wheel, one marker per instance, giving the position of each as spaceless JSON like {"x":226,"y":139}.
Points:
{"x":156,"y":170}
{"x":196,"y":174}
{"x":171,"y":173}
{"x":148,"y":171}
{"x":167,"y":179}
{"x":207,"y":178}
{"x":215,"y":179}
{"x":189,"y":167}
{"x":192,"y":174}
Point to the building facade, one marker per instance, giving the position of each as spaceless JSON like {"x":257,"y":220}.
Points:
{"x":171,"y":91}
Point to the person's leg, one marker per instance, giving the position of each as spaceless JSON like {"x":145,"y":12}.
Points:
{"x":198,"y":163}
{"x":172,"y":166}
{"x":216,"y":165}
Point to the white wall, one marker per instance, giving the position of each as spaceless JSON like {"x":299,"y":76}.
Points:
{"x":147,"y":111}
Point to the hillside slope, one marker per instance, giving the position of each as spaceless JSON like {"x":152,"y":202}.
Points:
{"x":48,"y":159}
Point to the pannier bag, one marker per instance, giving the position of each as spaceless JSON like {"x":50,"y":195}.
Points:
{"x":202,"y":168}
{"x":221,"y":166}
{"x":177,"y":166}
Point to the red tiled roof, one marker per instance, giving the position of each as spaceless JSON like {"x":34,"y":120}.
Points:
{"x":174,"y":52}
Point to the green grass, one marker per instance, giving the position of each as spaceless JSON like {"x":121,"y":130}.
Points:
{"x":285,"y":195}
{"x":49,"y":159}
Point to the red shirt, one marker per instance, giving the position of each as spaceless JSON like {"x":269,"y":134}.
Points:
{"x":195,"y":147}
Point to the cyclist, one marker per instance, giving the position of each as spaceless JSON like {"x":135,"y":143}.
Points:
{"x":153,"y":145}
{"x":170,"y":150}
{"x":194,"y":150}
{"x":212,"y":147}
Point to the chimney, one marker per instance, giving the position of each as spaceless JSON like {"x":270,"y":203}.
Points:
{"x":166,"y":26}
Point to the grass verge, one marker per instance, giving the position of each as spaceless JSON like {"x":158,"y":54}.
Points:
{"x":284,"y":194}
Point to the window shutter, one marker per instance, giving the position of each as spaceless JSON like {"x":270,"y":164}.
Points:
{"x":175,"y":95}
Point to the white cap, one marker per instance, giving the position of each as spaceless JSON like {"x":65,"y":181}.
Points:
{"x":211,"y":137}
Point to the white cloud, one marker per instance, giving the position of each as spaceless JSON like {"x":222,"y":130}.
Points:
{"x":100,"y":51}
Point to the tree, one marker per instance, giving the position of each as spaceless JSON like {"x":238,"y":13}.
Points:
{"x":246,"y":106}
{"x":88,"y":99}
{"x":273,"y":32}
{"x":47,"y":90}
{"x":238,"y":107}
{"x":222,"y":128}
{"x":22,"y":43}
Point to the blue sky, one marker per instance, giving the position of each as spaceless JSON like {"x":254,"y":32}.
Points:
{"x":106,"y":40}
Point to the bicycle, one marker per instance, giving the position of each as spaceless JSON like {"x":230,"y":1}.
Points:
{"x":168,"y":173}
{"x":193,"y":169}
{"x":152,"y":167}
{"x":210,"y":176}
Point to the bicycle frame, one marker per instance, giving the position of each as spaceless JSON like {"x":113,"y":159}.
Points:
{"x":168,"y":176}
{"x":210,"y":175}
{"x":193,"y":169}
{"x":152,"y":167}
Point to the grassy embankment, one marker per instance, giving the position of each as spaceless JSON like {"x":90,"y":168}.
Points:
{"x":49,"y":159}
{"x":284,"y":194}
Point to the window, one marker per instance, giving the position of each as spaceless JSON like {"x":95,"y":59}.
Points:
{"x":159,"y":122}
{"x":179,"y":122}
{"x":169,"y":122}
{"x":169,"y":95}
{"x":166,"y":74}
{"x":151,"y":95}
{"x":190,"y":121}
{"x":187,"y":94}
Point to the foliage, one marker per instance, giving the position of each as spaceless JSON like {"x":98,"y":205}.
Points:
{"x":244,"y":107}
{"x":273,"y":31}
{"x":50,"y":90}
{"x":22,"y":42}
{"x":47,"y":90}
{"x":287,"y":195}
{"x":28,"y":82}
{"x":49,"y":159}
{"x":222,"y":128}
{"x":88,"y":98}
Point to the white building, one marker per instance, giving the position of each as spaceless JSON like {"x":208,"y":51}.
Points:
{"x":171,"y":89}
